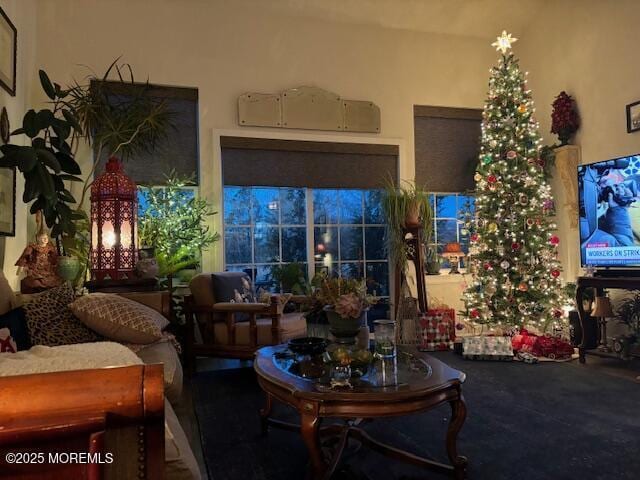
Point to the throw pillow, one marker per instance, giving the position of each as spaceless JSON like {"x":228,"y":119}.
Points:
{"x":232,"y":287}
{"x":119,"y":319}
{"x":14,"y":334}
{"x":50,"y":321}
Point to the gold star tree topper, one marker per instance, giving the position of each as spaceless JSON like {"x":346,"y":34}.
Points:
{"x":504,"y":41}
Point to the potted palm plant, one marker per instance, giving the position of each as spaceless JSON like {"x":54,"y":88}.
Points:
{"x":406,"y":205}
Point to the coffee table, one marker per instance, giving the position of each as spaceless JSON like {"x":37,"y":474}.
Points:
{"x":412,"y":382}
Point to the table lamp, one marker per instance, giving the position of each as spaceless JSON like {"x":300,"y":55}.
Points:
{"x":602,"y":310}
{"x":453,"y":252}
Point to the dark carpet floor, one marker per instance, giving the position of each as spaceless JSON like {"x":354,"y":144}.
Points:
{"x":551,"y":421}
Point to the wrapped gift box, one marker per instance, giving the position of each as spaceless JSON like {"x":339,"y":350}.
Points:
{"x":438,"y":329}
{"x":541,"y":345}
{"x":487,"y":348}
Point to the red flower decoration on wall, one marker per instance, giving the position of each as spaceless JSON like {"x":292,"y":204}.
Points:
{"x":564,"y":118}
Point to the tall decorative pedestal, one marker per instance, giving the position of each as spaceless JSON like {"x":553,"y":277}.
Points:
{"x":564,"y":186}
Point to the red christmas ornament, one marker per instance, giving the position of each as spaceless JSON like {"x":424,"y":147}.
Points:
{"x":515,"y":246}
{"x":554,"y":240}
{"x":492,"y":179}
{"x":557,"y":313}
{"x":555,"y":273}
{"x":474,"y":237}
{"x":511,"y":154}
{"x":475,"y":313}
{"x":486,"y":266}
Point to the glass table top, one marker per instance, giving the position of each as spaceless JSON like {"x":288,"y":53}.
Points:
{"x":396,"y":373}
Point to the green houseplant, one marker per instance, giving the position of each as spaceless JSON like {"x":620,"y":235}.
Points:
{"x":174,"y":223}
{"x":345,"y":302}
{"x":49,"y":160}
{"x":290,"y":277}
{"x":404,"y":206}
{"x":432,"y":261}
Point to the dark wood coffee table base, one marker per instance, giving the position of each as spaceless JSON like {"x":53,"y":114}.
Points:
{"x":317,"y":437}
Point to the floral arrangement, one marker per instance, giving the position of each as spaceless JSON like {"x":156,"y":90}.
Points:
{"x":564,"y":118}
{"x":348,"y":297}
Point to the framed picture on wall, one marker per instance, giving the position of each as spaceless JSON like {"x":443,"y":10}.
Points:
{"x":633,"y":117}
{"x":7,"y":202}
{"x":8,"y":42}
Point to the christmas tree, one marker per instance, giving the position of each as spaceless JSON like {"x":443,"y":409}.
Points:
{"x":513,"y":254}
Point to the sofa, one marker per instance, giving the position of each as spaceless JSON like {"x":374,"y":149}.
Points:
{"x":180,"y":462}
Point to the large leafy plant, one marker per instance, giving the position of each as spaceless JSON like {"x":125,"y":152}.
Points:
{"x":398,"y":204}
{"x":174,"y":223}
{"x":49,"y":159}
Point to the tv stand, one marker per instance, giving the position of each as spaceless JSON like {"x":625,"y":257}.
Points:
{"x":615,"y":273}
{"x":599,"y":283}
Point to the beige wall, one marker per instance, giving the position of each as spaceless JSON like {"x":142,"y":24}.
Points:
{"x":23,"y":15}
{"x":225,"y":49}
{"x":591,"y":52}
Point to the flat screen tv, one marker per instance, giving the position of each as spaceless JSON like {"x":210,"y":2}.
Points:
{"x":609,"y":206}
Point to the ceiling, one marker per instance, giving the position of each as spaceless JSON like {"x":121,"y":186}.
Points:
{"x":474,"y":18}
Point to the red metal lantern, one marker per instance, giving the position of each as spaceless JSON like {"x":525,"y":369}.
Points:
{"x":114,"y":224}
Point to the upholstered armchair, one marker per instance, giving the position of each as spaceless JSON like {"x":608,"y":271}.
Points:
{"x":234,"y":329}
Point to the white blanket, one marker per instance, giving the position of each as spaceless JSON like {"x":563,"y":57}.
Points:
{"x":79,"y":356}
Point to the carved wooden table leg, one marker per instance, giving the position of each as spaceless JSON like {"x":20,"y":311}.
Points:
{"x":458,"y":416}
{"x":310,"y":430}
{"x":265,"y":412}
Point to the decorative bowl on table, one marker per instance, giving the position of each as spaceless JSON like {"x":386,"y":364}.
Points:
{"x":311,"y":346}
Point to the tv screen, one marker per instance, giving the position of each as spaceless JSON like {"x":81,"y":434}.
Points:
{"x":609,"y":209}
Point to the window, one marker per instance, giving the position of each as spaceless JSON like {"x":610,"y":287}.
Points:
{"x":348,"y":230}
{"x":451,"y":212}
{"x":339,"y":231}
{"x":264,"y":227}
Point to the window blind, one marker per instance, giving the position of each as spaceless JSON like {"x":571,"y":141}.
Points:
{"x":293,"y":163}
{"x":447,"y":144}
{"x":179,"y":151}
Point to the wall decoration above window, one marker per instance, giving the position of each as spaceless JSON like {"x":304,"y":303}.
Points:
{"x":308,"y":108}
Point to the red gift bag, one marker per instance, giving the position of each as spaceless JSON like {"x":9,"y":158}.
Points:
{"x":541,"y":346}
{"x":438,"y":329}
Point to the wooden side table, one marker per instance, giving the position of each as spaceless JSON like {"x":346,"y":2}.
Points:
{"x":123,"y":286}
